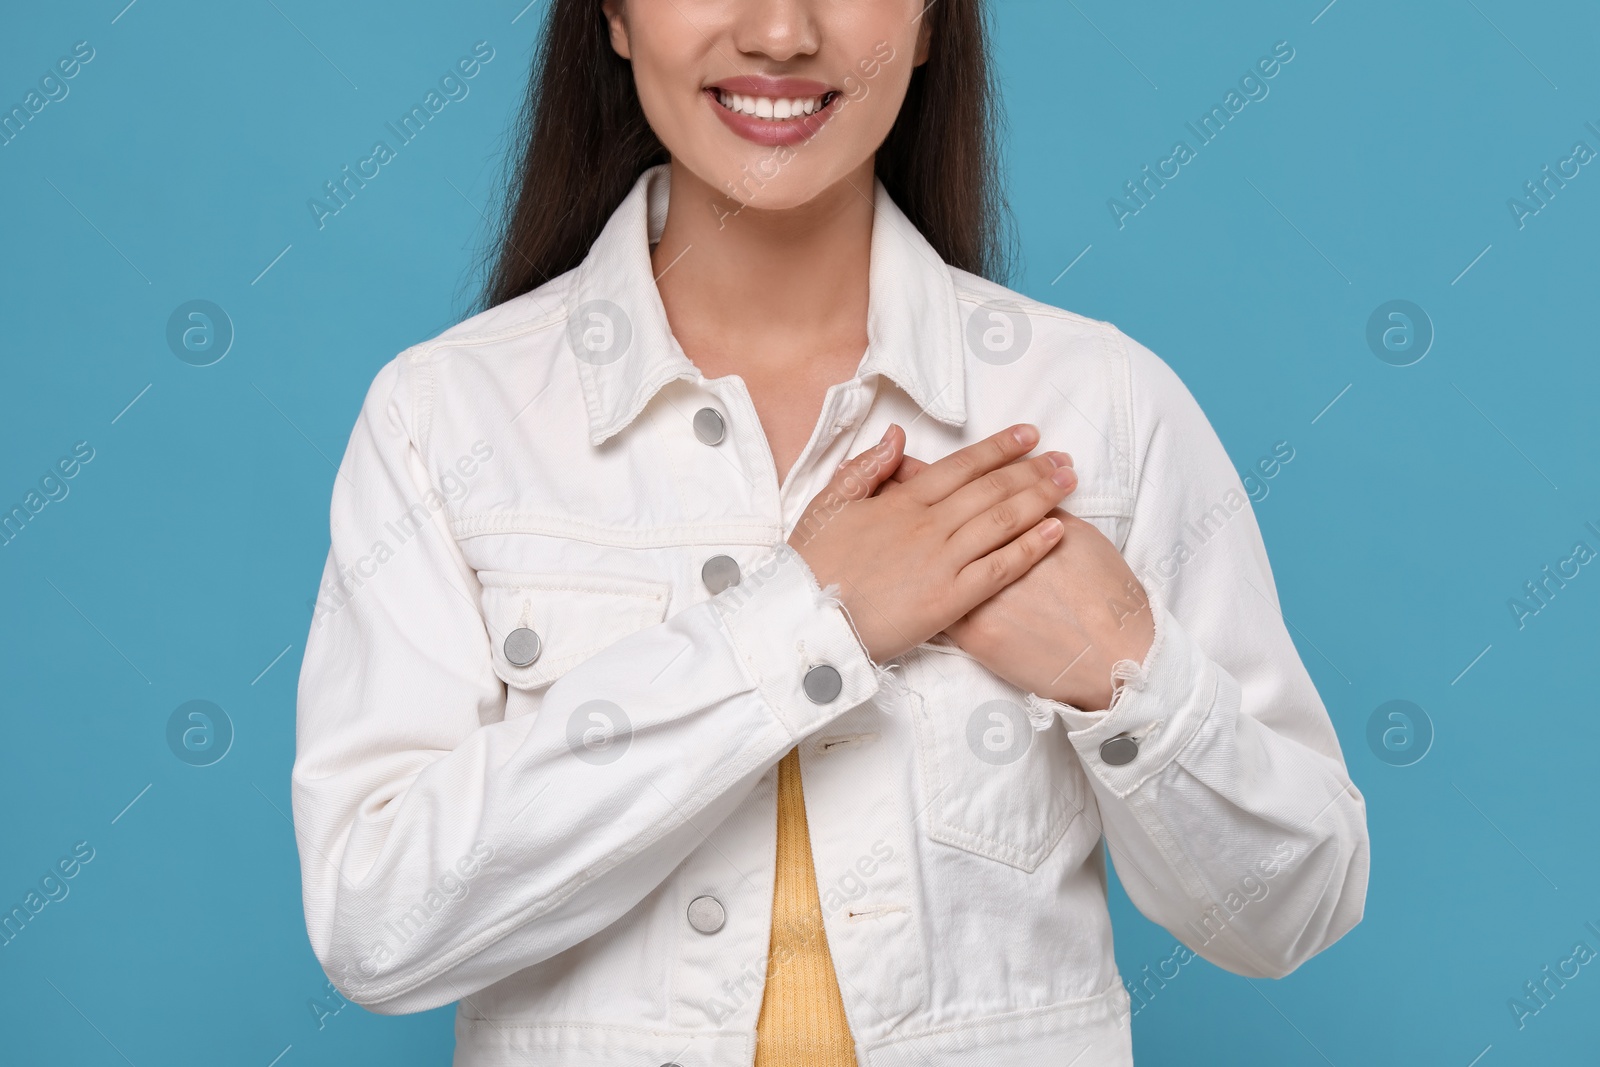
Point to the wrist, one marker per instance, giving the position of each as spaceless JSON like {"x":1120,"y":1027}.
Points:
{"x":1113,"y":668}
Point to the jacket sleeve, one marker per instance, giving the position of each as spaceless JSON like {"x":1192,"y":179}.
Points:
{"x":1235,"y":825}
{"x":443,"y":847}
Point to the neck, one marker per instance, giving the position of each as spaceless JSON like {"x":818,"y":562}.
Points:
{"x":750,"y":290}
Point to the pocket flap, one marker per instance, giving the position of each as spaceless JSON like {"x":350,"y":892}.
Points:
{"x":571,"y":618}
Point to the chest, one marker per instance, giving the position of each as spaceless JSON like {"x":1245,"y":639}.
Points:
{"x":722,"y":465}
{"x":789,"y":403}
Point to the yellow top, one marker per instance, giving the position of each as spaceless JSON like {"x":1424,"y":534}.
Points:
{"x":802,"y":1021}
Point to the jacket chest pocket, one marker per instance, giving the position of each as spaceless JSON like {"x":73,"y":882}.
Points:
{"x":994,"y":785}
{"x":542,"y":624}
{"x":1108,"y":514}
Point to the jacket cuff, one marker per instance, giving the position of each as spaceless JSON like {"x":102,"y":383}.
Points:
{"x":797,"y":642}
{"x":1159,"y":704}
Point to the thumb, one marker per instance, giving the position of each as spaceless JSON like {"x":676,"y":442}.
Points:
{"x":908,"y":468}
{"x":860,"y":477}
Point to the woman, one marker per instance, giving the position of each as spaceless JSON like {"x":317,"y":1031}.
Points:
{"x":657,"y":716}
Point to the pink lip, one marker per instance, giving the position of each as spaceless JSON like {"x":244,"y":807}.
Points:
{"x":773,"y":131}
{"x":771,"y":85}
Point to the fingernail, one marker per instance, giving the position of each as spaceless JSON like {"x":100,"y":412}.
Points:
{"x":1023,"y":434}
{"x":885,"y":438}
{"x":1064,"y":477}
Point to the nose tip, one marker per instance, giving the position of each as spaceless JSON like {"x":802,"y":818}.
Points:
{"x":779,"y":30}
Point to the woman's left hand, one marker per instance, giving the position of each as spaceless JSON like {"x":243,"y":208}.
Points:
{"x":1057,"y":630}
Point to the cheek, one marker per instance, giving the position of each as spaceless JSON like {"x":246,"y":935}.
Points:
{"x":882,"y":60}
{"x":662,"y":96}
{"x":668,"y":53}
{"x":871,"y":104}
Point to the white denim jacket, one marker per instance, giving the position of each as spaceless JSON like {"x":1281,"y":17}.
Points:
{"x":538,"y":732}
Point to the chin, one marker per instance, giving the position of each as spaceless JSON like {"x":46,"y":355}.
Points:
{"x":776,"y":179}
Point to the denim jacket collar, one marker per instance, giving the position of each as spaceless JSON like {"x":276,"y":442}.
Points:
{"x":913,"y":327}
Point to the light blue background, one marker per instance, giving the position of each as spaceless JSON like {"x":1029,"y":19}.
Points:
{"x":1417,"y":504}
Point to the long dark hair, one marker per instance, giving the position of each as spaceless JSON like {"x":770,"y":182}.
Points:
{"x":586,"y":142}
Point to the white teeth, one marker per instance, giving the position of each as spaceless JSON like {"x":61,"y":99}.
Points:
{"x":766,"y":107}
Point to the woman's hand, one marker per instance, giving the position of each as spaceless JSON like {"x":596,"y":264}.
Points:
{"x":914,"y":558}
{"x":1057,"y":630}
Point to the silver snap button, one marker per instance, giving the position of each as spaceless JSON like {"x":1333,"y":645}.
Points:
{"x":708,"y":425}
{"x":522,"y":646}
{"x":719,"y":573}
{"x":1119,"y":750}
{"x":823,"y":684}
{"x":706,"y":914}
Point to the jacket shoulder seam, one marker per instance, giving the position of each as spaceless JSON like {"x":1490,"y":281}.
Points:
{"x":423,"y":359}
{"x":1044,"y":310}
{"x":428,"y":349}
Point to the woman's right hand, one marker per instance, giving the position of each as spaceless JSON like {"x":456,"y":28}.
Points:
{"x":913,"y":559}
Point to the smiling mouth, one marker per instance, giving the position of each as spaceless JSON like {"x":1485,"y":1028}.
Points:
{"x":772,"y":109}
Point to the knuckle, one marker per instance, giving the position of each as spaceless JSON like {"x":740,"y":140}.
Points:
{"x":1036,"y":546}
{"x":995,"y":569}
{"x":1004,"y":515}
